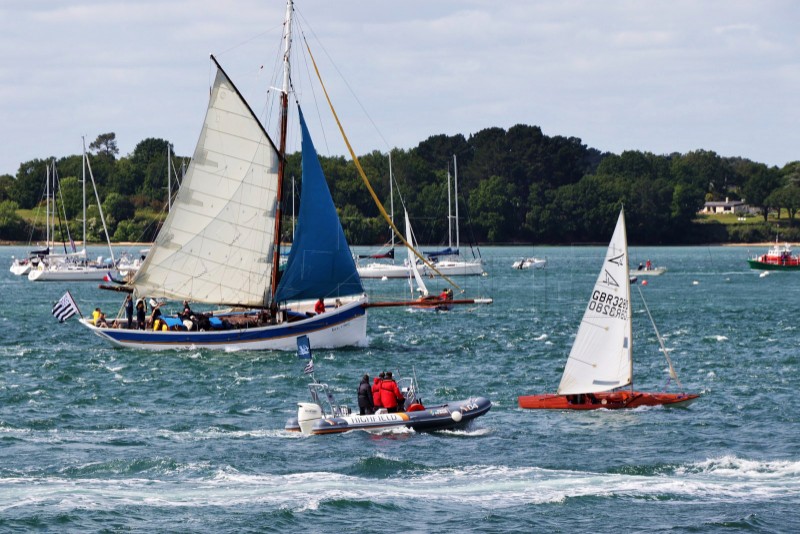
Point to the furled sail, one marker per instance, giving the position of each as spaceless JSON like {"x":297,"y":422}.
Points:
{"x":412,"y":259}
{"x":215,"y":245}
{"x":600,"y":359}
{"x":320,"y":263}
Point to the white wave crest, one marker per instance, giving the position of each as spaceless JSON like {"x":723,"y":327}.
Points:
{"x":726,"y":479}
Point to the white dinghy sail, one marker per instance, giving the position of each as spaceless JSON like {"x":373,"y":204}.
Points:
{"x":601,"y":356}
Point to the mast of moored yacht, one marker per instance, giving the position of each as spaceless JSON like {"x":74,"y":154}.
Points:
{"x":391,"y":197}
{"x":449,"y":212}
{"x":455,"y":195}
{"x":287,"y":42}
{"x":83,"y":195}
{"x":47,"y":207}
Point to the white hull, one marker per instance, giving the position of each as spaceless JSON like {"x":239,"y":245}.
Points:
{"x":656,"y":271}
{"x":530,"y":263}
{"x":340,"y":327}
{"x":68,"y":274}
{"x":383,"y":270}
{"x":20,"y":269}
{"x":454,"y":268}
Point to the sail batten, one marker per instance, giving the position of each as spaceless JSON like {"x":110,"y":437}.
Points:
{"x":215,"y":242}
{"x":600,"y":359}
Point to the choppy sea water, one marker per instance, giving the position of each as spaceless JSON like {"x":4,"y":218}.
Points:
{"x":98,"y":438}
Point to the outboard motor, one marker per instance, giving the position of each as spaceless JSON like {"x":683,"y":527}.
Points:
{"x":308,"y":413}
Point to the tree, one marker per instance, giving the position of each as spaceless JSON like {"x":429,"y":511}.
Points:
{"x":12,"y":226}
{"x":761,"y":182}
{"x":497,"y":202}
{"x":106,"y":144}
{"x":118,"y":208}
{"x":71,"y":194}
{"x":6,"y":183}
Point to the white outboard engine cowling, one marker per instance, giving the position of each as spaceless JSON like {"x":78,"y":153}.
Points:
{"x":308,"y":413}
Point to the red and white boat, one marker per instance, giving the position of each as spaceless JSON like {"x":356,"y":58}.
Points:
{"x":601,"y":360}
{"x":778,"y":258}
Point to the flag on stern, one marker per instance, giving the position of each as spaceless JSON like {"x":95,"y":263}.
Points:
{"x":65,"y":308}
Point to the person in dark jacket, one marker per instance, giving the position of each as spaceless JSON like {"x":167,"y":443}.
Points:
{"x":391,"y":397}
{"x":365,"y":404}
{"x":129,"y":310}
{"x":376,"y":391}
{"x":141,"y":309}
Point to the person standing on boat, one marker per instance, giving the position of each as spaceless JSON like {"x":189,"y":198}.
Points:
{"x":648,"y":266}
{"x":376,"y":391}
{"x":141,"y":310}
{"x":319,"y":307}
{"x":129,"y":310}
{"x":390,"y":394}
{"x":365,"y":404}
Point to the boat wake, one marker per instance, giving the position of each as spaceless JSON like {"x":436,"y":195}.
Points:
{"x":726,"y":479}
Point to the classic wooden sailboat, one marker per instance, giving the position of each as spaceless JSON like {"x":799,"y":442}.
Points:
{"x":220,"y":243}
{"x":601,"y":359}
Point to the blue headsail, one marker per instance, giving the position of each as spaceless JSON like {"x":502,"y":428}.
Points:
{"x":320,"y":264}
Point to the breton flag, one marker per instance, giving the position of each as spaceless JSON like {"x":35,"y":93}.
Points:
{"x":65,"y":308}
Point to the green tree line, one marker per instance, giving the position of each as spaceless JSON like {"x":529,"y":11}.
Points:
{"x":514,"y":186}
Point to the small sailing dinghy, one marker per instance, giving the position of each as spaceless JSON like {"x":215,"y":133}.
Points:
{"x":601,"y":359}
{"x":323,"y":415}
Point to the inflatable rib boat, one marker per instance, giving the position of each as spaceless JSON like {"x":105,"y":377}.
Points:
{"x":324,"y":416}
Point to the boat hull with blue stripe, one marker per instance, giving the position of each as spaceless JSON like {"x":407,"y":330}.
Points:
{"x":346,"y":325}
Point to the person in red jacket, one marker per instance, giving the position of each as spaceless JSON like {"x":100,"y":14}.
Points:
{"x":376,"y":391}
{"x":390,"y":394}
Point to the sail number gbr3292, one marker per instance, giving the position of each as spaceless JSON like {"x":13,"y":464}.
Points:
{"x":608,"y":304}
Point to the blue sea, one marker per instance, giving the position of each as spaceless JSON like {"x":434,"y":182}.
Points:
{"x":96,"y":438}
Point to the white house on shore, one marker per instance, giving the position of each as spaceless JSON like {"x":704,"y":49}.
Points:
{"x":716,"y":207}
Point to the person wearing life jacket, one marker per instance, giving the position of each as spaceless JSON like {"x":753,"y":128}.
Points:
{"x":95,"y":316}
{"x":319,"y":307}
{"x":391,"y":397}
{"x":376,"y":391}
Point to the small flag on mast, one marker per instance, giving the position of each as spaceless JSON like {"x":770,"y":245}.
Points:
{"x":303,"y":348}
{"x":65,"y":308}
{"x":304,"y":353}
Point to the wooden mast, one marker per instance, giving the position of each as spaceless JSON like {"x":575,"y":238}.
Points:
{"x":276,"y":257}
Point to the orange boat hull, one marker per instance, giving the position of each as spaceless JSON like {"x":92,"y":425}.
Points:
{"x":616,"y":400}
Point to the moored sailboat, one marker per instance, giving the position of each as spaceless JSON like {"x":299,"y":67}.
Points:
{"x":601,"y":359}
{"x":220,"y":244}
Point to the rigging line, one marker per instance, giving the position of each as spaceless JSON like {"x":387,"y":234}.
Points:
{"x":366,"y":180}
{"x":313,"y":91}
{"x":339,"y":72}
{"x":672,"y":372}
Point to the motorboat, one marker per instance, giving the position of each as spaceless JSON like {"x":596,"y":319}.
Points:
{"x":323,"y":415}
{"x":777,"y":258}
{"x":529,"y":263}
